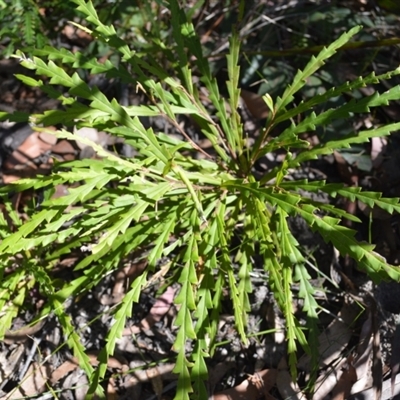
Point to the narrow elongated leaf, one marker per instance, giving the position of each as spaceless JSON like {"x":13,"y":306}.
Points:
{"x":235,"y":133}
{"x":345,"y":142}
{"x":74,"y":341}
{"x":124,"y":312}
{"x":167,"y":229}
{"x":372,"y":199}
{"x":360,"y":106}
{"x":347,"y":87}
{"x":313,"y":66}
{"x":184,"y":380}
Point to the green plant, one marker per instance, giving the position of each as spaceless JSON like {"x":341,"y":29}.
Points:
{"x":23,"y":24}
{"x":30,"y":25}
{"x":165,"y":202}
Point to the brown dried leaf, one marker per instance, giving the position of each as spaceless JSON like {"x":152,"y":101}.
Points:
{"x":378,"y":149}
{"x":165,"y":371}
{"x":78,"y":381}
{"x":159,"y":309}
{"x":342,"y":390}
{"x":123,"y":278}
{"x":48,"y":137}
{"x":60,"y":191}
{"x":363,"y":361}
{"x":253,"y":388}
{"x":287,"y":388}
{"x":33,"y":383}
{"x":377,"y":213}
{"x":371,"y":393}
{"x":376,"y":353}
{"x":156,"y":382}
{"x":76,"y":35}
{"x":347,"y":173}
{"x":335,"y":337}
{"x":30,"y":149}
{"x":63,"y":370}
{"x":328,"y":380}
{"x":63,"y":147}
{"x":255,"y":104}
{"x":156,"y":313}
{"x":22,"y":334}
{"x":112,"y":393}
{"x":101,"y":138}
{"x":10,"y":361}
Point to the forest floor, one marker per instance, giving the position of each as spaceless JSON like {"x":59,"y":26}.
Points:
{"x":359,"y":341}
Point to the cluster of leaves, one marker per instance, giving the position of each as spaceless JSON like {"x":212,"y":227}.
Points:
{"x":21,"y":16}
{"x":28,"y":25}
{"x":165,"y":202}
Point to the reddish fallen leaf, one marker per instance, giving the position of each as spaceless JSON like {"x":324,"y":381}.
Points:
{"x":164,"y":371}
{"x":349,"y":376}
{"x":159,"y":309}
{"x":205,"y":37}
{"x":334,"y":339}
{"x":32,"y":148}
{"x":63,"y":370}
{"x":255,"y":104}
{"x":48,"y":137}
{"x":156,"y":313}
{"x":34,"y":383}
{"x":10,"y":176}
{"x":156,"y":381}
{"x":347,"y":172}
{"x":77,"y":36}
{"x":378,"y":148}
{"x":287,"y":388}
{"x":112,"y":393}
{"x":63,"y":147}
{"x":252,"y":388}
{"x":363,"y":361}
{"x":123,"y":279}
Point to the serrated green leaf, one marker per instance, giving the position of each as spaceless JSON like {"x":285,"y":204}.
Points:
{"x":7,"y":289}
{"x":199,"y":374}
{"x":123,"y":312}
{"x":184,"y":380}
{"x":156,"y":252}
{"x":155,"y":192}
{"x":73,"y":340}
{"x":353,"y":106}
{"x":11,"y":242}
{"x":344,"y":142}
{"x":306,"y":291}
{"x":116,"y":229}
{"x":28,"y":80}
{"x":289,"y":245}
{"x":358,"y":83}
{"x":269,"y":102}
{"x":315,"y":63}
{"x":234,"y":134}
{"x":369,"y":198}
{"x":185,"y":323}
